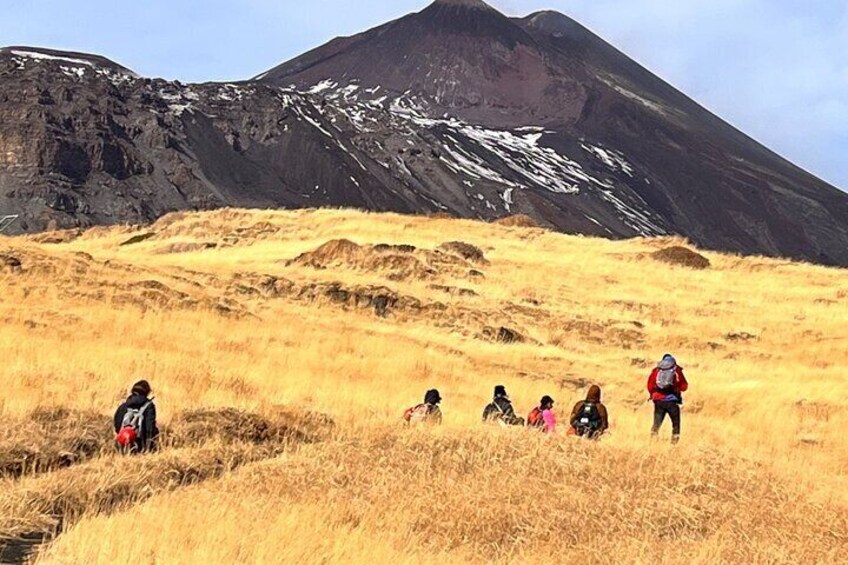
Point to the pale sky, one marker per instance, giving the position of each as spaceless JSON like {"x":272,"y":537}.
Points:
{"x":777,"y":69}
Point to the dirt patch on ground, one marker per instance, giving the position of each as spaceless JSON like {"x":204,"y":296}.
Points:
{"x":57,"y":237}
{"x":681,"y":257}
{"x":381,"y":300}
{"x":740,"y":336}
{"x":152,"y":294}
{"x":269,"y":286}
{"x":138,"y":238}
{"x":465,"y":250}
{"x":518,"y":221}
{"x":624,"y":334}
{"x":196,"y":427}
{"x":186,"y":247}
{"x":258,"y":231}
{"x":501,"y":334}
{"x":9,"y":263}
{"x":453,"y":290}
{"x":395,"y":262}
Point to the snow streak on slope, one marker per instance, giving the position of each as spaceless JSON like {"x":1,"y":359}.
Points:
{"x":611,"y":158}
{"x":72,"y":65}
{"x":506,"y":162}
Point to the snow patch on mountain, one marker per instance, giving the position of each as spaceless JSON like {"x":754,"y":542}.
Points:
{"x":45,"y":57}
{"x":507,"y":199}
{"x":638,"y":220}
{"x":611,"y":158}
{"x":179,"y":100}
{"x":72,"y":66}
{"x":322,"y":86}
{"x":229,"y":92}
{"x":512,"y":160}
{"x":77,"y":72}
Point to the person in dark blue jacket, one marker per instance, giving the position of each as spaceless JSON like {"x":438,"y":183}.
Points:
{"x":135,"y":420}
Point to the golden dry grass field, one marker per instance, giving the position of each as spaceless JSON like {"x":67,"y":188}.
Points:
{"x":284,"y":346}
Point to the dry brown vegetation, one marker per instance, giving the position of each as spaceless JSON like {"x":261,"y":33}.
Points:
{"x":681,"y":256}
{"x":283,"y":347}
{"x":518,"y":221}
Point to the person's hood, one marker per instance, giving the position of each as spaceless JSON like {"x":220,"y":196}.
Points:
{"x":668,"y":362}
{"x":594,"y":394}
{"x":142,"y":387}
{"x":432,"y":397}
{"x":137,"y":401}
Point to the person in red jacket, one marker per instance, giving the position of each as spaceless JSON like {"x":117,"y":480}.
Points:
{"x":666,"y":385}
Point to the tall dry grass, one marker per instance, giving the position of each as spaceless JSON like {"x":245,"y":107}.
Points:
{"x":239,"y":325}
{"x":477,"y":496}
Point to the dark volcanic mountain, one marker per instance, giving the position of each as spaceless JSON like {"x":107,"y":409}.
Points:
{"x":456,"y":108}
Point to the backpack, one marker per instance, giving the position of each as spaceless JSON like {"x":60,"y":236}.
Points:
{"x":495,"y":413}
{"x":492,"y":413}
{"x":588,"y":419}
{"x":666,"y":378}
{"x":535,"y":419}
{"x":132,"y":426}
{"x":417,"y":414}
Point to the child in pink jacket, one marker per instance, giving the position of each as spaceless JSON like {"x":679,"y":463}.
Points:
{"x":550,"y":419}
{"x":542,"y":417}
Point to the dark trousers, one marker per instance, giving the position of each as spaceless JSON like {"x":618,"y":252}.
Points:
{"x":661,"y":408}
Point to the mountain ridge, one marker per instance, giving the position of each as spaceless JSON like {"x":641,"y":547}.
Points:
{"x":455,"y":109}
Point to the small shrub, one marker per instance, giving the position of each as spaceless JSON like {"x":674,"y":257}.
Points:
{"x":682,"y":257}
{"x":465,"y":250}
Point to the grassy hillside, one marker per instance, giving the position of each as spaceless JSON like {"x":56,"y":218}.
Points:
{"x":288,"y":321}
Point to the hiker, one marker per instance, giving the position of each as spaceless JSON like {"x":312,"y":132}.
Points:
{"x":135,"y":421}
{"x":426,"y":413}
{"x":666,"y":385}
{"x":589,"y":418}
{"x":542,"y":417}
{"x":500,"y":410}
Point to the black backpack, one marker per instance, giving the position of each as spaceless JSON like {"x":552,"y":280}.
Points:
{"x":495,"y":413}
{"x":588,"y":419}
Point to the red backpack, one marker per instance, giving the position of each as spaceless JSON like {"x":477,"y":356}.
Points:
{"x":535,"y":419}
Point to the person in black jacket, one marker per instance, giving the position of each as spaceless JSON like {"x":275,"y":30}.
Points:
{"x":139,"y":400}
{"x":500,"y":410}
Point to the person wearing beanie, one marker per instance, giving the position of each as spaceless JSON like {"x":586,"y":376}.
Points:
{"x":542,"y":417}
{"x":139,"y":414}
{"x":500,"y":410}
{"x":666,"y":385}
{"x":589,"y":418}
{"x":426,"y":413}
